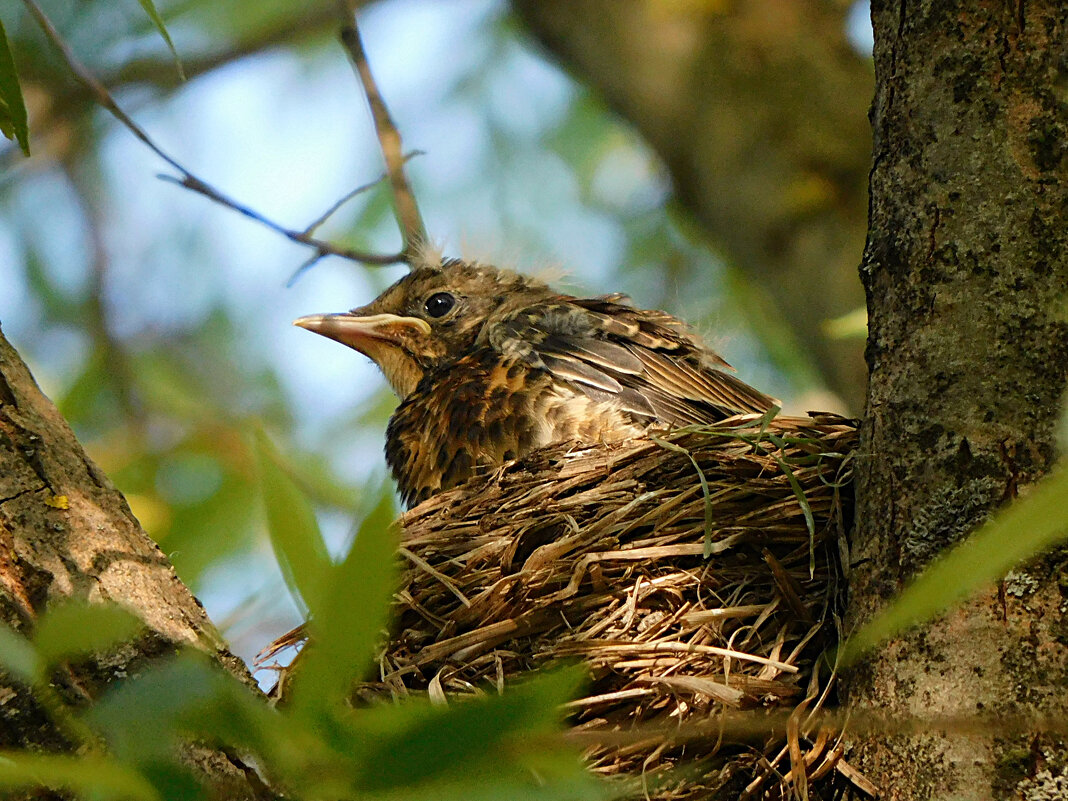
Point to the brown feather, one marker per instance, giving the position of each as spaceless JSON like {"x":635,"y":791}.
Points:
{"x":649,"y":354}
{"x":510,"y":366}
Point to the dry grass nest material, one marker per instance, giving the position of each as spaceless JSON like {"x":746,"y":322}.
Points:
{"x":695,"y":572}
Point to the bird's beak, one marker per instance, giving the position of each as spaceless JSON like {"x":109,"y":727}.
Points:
{"x":362,"y":333}
{"x":383,"y":338}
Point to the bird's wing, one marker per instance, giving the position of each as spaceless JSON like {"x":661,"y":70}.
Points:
{"x":646,"y":361}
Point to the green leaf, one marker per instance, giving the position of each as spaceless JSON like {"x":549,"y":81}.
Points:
{"x":1021,"y":530}
{"x":313,"y":473}
{"x":13,"y":121}
{"x":555,"y":776}
{"x":175,"y":782}
{"x":59,"y":306}
{"x":192,"y":697}
{"x":192,"y":540}
{"x":87,"y":775}
{"x":346,"y":625}
{"x":81,"y":401}
{"x":188,"y":695}
{"x":475,"y":741}
{"x":76,"y":629}
{"x":295,"y":536}
{"x":18,"y":656}
{"x":157,"y":20}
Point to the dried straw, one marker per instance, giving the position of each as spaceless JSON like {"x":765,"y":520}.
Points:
{"x":694,"y":572}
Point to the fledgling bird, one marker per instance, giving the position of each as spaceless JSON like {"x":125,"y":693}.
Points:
{"x":490,"y":365}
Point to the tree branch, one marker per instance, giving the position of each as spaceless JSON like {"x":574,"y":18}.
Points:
{"x":188,"y":180}
{"x":409,"y":219}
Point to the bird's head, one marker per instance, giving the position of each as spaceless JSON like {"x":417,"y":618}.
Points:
{"x":428,"y":318}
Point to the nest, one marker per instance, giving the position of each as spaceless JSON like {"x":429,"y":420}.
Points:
{"x":695,"y":572}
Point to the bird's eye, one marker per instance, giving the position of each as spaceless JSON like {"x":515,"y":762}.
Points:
{"x":439,"y":304}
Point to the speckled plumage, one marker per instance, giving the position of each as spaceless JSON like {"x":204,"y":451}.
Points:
{"x":513,"y":366}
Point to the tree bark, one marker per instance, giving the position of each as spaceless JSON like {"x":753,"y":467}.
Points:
{"x":966,"y":271}
{"x":757,"y":110}
{"x":67,"y":533}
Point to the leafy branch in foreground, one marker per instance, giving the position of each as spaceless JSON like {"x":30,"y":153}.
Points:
{"x":129,"y":743}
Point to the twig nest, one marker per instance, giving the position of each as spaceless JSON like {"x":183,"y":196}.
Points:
{"x":694,"y":571}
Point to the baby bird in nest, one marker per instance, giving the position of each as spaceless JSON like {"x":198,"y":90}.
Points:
{"x":490,"y":365}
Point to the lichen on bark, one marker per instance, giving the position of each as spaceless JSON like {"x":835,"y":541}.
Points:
{"x":966,"y":270}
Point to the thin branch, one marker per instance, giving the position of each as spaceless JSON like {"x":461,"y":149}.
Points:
{"x":326,"y":215}
{"x":307,"y":265}
{"x":322,"y":247}
{"x":188,"y":180}
{"x":409,"y":219}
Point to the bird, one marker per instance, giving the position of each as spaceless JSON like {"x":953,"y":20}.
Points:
{"x":489,"y":365}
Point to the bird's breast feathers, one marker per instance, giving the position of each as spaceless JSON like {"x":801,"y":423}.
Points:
{"x":485,"y":412}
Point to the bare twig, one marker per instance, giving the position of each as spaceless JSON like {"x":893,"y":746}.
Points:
{"x":407,"y":210}
{"x":188,"y":180}
{"x":326,"y":215}
{"x":159,"y":73}
{"x":304,"y":267}
{"x":322,"y":247}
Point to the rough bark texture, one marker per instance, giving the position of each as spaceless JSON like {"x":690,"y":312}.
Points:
{"x":93,"y":550}
{"x":966,"y":270}
{"x":757,"y":110}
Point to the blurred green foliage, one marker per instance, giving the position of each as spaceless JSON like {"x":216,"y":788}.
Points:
{"x":314,"y":746}
{"x":129,"y":743}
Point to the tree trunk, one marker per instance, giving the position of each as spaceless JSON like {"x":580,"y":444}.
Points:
{"x":966,"y":271}
{"x":757,"y":110}
{"x":67,"y":533}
